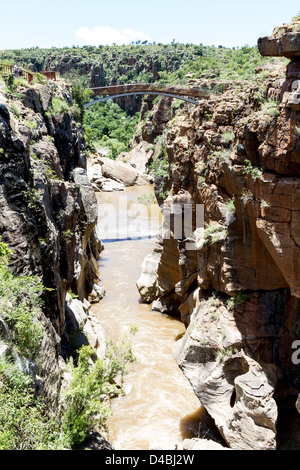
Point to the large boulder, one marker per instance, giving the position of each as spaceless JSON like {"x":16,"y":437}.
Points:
{"x":235,"y":389}
{"x":109,"y":175}
{"x":82,"y":327}
{"x":121,"y":172}
{"x":138,"y":157}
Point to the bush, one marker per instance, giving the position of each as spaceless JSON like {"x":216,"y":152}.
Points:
{"x":10,"y":83}
{"x":252,"y":170}
{"x":159,"y":167}
{"x":24,"y":421}
{"x":238,"y":298}
{"x":81,"y":96}
{"x":21,"y":308}
{"x":40,"y":78}
{"x":5,"y":252}
{"x":87,"y":396}
{"x":59,"y":107}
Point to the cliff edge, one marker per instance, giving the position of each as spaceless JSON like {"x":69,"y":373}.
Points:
{"x":48,"y":217}
{"x":237,"y":154}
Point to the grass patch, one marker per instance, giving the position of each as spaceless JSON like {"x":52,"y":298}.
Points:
{"x":147,"y":199}
{"x":228,"y":136}
{"x":270,"y":108}
{"x":212,"y":233}
{"x":58,"y":107}
{"x":239,"y":298}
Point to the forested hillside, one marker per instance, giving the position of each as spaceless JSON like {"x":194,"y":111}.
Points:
{"x":112,"y":124}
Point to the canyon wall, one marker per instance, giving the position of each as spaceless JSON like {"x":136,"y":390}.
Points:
{"x":48,"y":217}
{"x":235,"y":281}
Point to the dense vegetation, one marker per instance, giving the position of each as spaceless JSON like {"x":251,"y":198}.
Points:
{"x":133,"y":63}
{"x":106,"y":124}
{"x":25,"y":421}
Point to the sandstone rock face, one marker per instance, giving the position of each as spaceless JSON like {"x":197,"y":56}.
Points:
{"x":164,"y":270}
{"x":237,"y":289}
{"x":147,"y":283}
{"x":97,"y":76}
{"x":48,"y":210}
{"x":83,"y":328}
{"x":254,"y":254}
{"x":284,"y":41}
{"x":156,"y":120}
{"x":236,"y":390}
{"x":139,"y":157}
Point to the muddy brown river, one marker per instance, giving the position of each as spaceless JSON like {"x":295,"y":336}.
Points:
{"x":158,"y":408}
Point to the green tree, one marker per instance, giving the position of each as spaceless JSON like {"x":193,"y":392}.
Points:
{"x":81,"y":96}
{"x":11,"y":83}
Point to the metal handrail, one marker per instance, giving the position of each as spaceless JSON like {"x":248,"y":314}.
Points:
{"x":50,"y":74}
{"x":6,"y":69}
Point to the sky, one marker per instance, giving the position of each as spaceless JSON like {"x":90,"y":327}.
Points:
{"x":61,"y":23}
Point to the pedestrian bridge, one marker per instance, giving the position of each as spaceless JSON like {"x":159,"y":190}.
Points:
{"x":179,"y":92}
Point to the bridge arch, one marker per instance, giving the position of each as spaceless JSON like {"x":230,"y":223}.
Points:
{"x":119,"y":95}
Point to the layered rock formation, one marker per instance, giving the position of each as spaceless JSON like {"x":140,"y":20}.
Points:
{"x":48,"y":215}
{"x":283,"y":42}
{"x":238,"y":287}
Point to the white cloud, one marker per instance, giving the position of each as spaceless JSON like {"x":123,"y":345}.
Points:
{"x":106,"y":36}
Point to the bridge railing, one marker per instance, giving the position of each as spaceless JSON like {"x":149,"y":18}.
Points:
{"x":51,"y":75}
{"x":6,"y":70}
{"x":192,"y":92}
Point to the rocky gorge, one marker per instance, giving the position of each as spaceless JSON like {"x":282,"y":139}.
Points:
{"x":238,"y":290}
{"x":233,"y":281}
{"x":48,"y":219}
